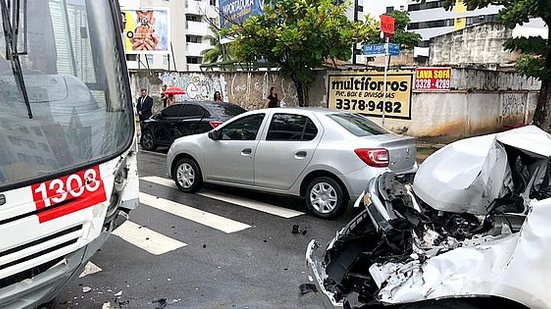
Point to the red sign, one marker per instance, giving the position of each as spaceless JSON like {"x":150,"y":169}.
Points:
{"x":68,"y":194}
{"x":387,"y":25}
{"x":433,"y":78}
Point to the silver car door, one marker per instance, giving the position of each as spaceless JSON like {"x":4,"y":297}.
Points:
{"x":229,"y":157}
{"x":287,"y":149}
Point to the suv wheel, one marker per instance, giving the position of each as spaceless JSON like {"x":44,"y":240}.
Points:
{"x":325,"y":197}
{"x":187,"y":175}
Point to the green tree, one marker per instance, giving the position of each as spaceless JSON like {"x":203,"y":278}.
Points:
{"x":535,"y":59}
{"x":218,"y":52}
{"x":298,"y":36}
{"x":406,"y":39}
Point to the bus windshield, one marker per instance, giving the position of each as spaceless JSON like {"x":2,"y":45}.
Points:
{"x":76,"y":86}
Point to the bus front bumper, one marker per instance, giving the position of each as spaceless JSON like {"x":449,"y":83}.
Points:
{"x":44,"y":286}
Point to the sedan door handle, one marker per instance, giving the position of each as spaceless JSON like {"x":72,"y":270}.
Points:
{"x":246,"y":151}
{"x":300,"y":154}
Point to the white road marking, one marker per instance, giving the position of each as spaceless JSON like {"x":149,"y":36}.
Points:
{"x":149,"y":240}
{"x":263,"y":207}
{"x":239,"y":201}
{"x":202,"y":217}
{"x":90,"y":269}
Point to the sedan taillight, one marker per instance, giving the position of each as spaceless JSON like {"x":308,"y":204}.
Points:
{"x":376,"y":157}
{"x":215,"y":123}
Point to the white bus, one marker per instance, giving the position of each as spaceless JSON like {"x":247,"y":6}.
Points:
{"x":68,"y":169}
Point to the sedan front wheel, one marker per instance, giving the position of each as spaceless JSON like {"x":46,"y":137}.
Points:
{"x":325,"y":197}
{"x":187,"y":175}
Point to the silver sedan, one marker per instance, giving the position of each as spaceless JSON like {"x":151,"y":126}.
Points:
{"x":324,"y":156}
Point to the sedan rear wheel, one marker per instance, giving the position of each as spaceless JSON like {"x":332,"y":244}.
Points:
{"x":187,"y":176}
{"x":147,"y":141}
{"x":325,"y":197}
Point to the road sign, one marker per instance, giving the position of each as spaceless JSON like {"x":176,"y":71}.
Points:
{"x":387,"y":25}
{"x":374,"y":50}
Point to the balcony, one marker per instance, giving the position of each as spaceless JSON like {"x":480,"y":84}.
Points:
{"x":196,"y":7}
{"x":197,"y":28}
{"x":195,"y":49}
{"x":194,"y":67}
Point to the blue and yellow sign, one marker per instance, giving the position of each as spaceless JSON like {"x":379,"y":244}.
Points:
{"x":235,"y":11}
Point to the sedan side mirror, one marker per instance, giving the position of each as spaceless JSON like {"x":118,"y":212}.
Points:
{"x":214,"y":135}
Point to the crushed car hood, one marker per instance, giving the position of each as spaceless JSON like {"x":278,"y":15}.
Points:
{"x":468,"y":175}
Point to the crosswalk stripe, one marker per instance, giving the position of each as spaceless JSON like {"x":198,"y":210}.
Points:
{"x":202,"y":217}
{"x":149,"y":240}
{"x":263,"y":207}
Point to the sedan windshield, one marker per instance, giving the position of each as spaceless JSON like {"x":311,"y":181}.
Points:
{"x":357,"y":124}
{"x":72,"y":76}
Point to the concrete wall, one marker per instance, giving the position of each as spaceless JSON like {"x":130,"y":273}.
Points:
{"x":479,"y":44}
{"x":479,"y":102}
{"x":247,"y":89}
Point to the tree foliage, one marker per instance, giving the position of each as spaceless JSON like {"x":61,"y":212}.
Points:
{"x":218,"y":52}
{"x":406,"y":39}
{"x":298,"y":36}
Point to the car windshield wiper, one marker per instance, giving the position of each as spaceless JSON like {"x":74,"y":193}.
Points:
{"x":10,"y":34}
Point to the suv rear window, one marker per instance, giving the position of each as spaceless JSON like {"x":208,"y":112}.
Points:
{"x":224,"y":109}
{"x":357,"y":124}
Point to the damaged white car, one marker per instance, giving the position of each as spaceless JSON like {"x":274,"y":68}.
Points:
{"x":472,"y":230}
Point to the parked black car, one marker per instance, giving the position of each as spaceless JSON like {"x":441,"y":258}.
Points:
{"x":185,"y":118}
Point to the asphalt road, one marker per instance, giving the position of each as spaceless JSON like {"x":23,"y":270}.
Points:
{"x":241,"y":258}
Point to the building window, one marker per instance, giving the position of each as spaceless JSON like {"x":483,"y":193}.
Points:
{"x":426,"y":6}
{"x":194,"y":39}
{"x":213,"y":2}
{"x":389,"y":9}
{"x":131,"y":57}
{"x":193,"y":60}
{"x":149,"y":58}
{"x":431,"y":24}
{"x":191,"y":17}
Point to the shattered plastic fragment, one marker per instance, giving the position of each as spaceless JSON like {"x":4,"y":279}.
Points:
{"x":295,"y":229}
{"x":118,"y":293}
{"x":306,"y":288}
{"x":86,"y":289}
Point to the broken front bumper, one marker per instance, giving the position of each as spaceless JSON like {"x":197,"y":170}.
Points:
{"x":316,"y":266}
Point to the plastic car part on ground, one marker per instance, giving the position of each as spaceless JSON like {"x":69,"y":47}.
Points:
{"x":472,"y":228}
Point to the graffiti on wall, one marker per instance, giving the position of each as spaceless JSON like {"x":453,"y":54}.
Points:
{"x":513,"y":104}
{"x":198,"y":87}
{"x":513,"y":107}
{"x":246,"y":89}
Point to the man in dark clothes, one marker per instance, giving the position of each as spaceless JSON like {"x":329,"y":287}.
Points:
{"x":145,"y":104}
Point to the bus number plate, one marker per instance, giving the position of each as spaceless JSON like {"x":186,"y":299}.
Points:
{"x":68,"y":194}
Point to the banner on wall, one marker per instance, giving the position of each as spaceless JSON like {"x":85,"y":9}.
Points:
{"x":235,"y":11}
{"x":364,"y":93}
{"x":433,"y":78}
{"x":146,"y":30}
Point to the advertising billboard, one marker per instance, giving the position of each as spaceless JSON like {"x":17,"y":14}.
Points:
{"x":431,"y":79}
{"x":235,"y":11}
{"x":146,"y":30}
{"x":364,"y":93}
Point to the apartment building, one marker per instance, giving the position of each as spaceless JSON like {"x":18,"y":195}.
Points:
{"x":189,"y":22}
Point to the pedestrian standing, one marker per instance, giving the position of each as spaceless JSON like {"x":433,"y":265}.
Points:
{"x":272,"y":100}
{"x":144,"y":106}
{"x":170,"y":100}
{"x":164,"y":97}
{"x":218,"y":97}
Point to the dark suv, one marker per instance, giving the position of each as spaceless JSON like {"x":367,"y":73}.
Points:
{"x":185,"y":118}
